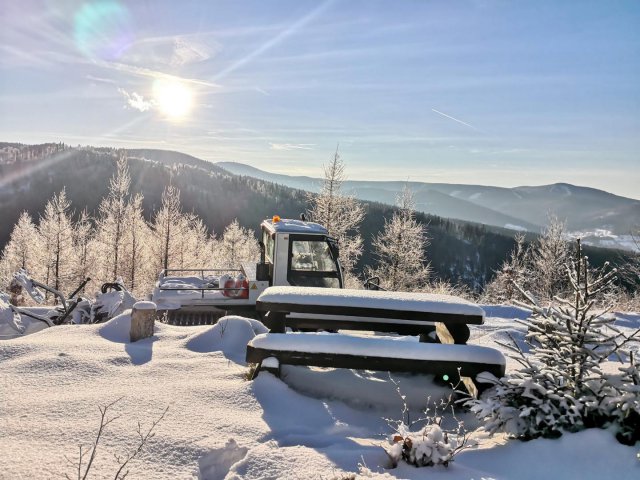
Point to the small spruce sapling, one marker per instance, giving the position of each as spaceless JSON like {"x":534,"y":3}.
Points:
{"x":560,"y":384}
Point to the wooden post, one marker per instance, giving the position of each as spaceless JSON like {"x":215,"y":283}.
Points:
{"x":143,"y":318}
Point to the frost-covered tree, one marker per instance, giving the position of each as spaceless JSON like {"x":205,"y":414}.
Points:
{"x":548,"y":259}
{"x":341,"y":215}
{"x":112,"y":222}
{"x":169,"y":227}
{"x":516,"y":270}
{"x":196,"y":246}
{"x":85,"y":257}
{"x":236,"y":246}
{"x":56,"y":232}
{"x":135,"y":247}
{"x":560,"y":384}
{"x":21,"y":250}
{"x":400,"y":249}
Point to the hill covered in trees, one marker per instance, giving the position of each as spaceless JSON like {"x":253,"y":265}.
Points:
{"x":459,"y":252}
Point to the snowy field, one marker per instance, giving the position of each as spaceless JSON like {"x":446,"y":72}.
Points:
{"x":312,"y":424}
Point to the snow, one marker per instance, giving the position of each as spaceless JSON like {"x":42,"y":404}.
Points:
{"x":517,"y":228}
{"x":409,"y":301}
{"x":12,"y":325}
{"x":144,"y":305}
{"x":287,"y":225}
{"x":375,"y":347}
{"x":183,"y":290}
{"x":311,"y":424}
{"x":600,"y":237}
{"x":23,"y":279}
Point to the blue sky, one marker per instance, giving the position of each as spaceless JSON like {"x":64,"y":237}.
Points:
{"x":491,"y":92}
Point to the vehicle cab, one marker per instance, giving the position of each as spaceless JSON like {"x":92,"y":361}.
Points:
{"x":300,"y":253}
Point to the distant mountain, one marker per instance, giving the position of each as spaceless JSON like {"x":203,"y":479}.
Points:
{"x":603,"y":218}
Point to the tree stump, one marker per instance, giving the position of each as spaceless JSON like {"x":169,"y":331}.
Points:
{"x":143,"y":317}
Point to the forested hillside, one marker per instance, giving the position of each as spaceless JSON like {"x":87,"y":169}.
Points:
{"x":458,"y":251}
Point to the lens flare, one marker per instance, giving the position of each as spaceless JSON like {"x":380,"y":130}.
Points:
{"x":103,"y":30}
{"x":173,"y":98}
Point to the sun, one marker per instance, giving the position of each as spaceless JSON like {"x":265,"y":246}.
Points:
{"x":173,"y":98}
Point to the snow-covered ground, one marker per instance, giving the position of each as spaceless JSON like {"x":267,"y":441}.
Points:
{"x":312,"y":424}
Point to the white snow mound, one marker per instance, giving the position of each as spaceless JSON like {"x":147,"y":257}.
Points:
{"x":229,"y":336}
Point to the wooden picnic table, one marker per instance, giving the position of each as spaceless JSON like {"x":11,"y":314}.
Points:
{"x":344,"y":309}
{"x":405,"y":313}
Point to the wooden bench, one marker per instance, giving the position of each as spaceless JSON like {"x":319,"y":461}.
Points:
{"x":342,"y":309}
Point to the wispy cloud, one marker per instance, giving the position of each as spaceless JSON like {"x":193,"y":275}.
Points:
{"x":292,"y":146}
{"x":455,"y":119}
{"x":99,"y":79}
{"x":147,"y":72}
{"x":185,"y":52}
{"x":281,"y":36}
{"x":136,"y":101}
{"x":262,"y":91}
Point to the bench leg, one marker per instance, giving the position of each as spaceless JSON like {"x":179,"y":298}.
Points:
{"x":458,"y":334}
{"x":269,"y":364}
{"x":275,"y":321}
{"x":428,"y":336}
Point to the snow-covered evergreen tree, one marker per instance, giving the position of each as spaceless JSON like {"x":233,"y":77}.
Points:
{"x":560,"y":385}
{"x":400,"y":249}
{"x":341,"y":215}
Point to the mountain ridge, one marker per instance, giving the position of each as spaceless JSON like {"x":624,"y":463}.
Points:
{"x":585,"y":209}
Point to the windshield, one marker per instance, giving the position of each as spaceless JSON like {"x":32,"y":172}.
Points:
{"x":312,"y":264}
{"x":312,"y":255}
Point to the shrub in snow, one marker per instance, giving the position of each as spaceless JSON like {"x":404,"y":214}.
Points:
{"x":87,"y":455}
{"x":425,"y":448}
{"x":430,"y":445}
{"x":560,"y":384}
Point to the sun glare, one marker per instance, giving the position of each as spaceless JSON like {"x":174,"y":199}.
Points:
{"x":174,"y":98}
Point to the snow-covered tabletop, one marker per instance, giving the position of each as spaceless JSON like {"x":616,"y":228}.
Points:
{"x":372,"y":299}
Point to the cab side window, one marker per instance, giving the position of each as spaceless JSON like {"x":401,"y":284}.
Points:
{"x":269,"y":246}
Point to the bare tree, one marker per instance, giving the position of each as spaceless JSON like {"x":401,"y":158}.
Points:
{"x":400,"y":249}
{"x":340,"y":214}
{"x":82,"y":469}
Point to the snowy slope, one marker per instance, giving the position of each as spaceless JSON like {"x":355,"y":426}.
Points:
{"x":314,"y":424}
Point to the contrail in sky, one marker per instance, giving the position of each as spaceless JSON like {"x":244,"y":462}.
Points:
{"x":455,"y":119}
